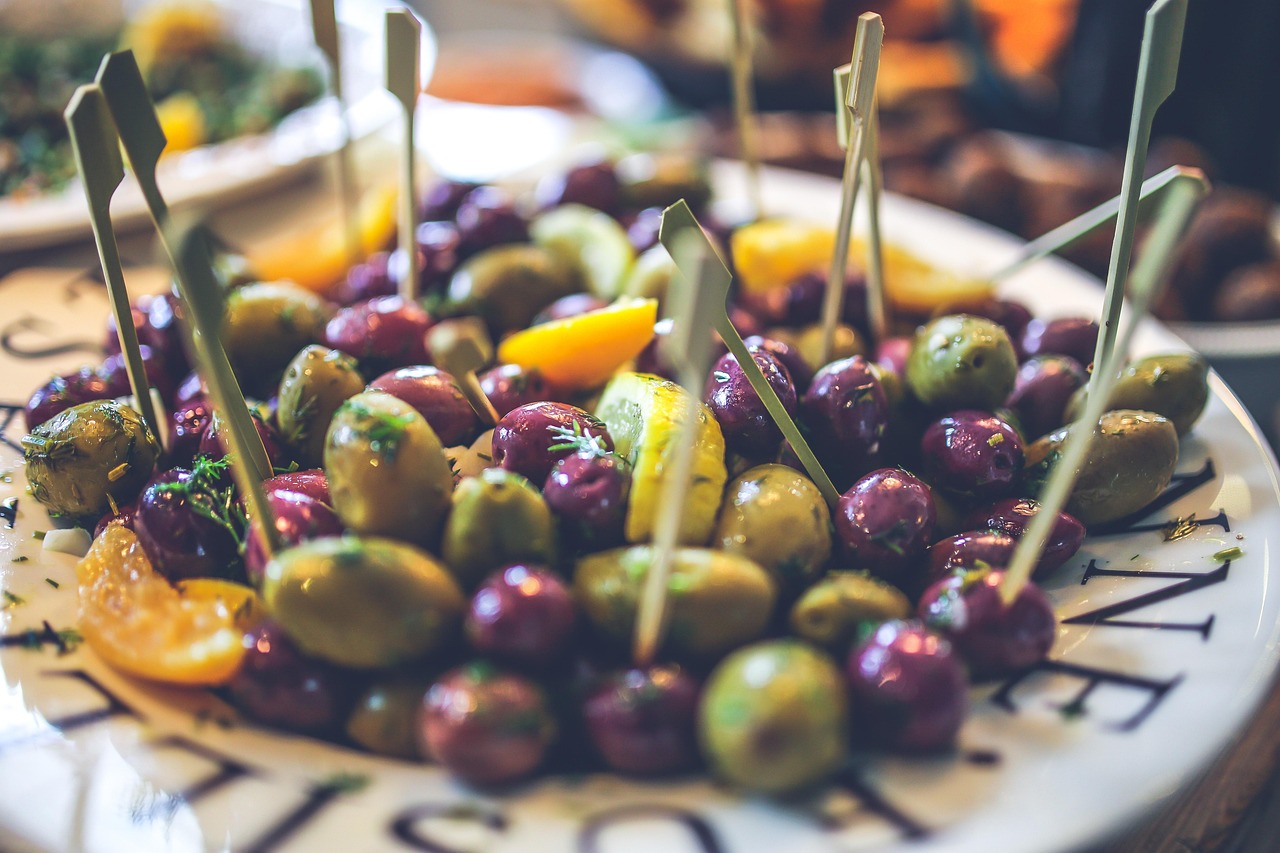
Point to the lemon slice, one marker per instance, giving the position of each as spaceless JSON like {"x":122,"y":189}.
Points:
{"x":590,"y":241}
{"x":581,"y":352}
{"x":774,"y":252}
{"x":641,"y":413}
{"x":142,"y":625}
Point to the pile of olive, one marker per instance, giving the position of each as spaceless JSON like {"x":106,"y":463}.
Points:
{"x":468,"y":596}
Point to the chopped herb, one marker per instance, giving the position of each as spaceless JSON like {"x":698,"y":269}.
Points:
{"x":345,"y":783}
{"x":995,"y":440}
{"x":579,"y":440}
{"x":208,"y":498}
{"x":1134,"y":557}
{"x":21,"y":558}
{"x":1180,"y":528}
{"x":11,"y":600}
{"x":118,"y":472}
{"x":383,"y":431}
{"x":68,"y":640}
{"x":38,"y":534}
{"x":1232,"y":553}
{"x":53,"y":583}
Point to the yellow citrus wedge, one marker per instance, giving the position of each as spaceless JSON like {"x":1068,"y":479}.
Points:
{"x":142,"y":625}
{"x":316,"y":257}
{"x":774,"y":252}
{"x":582,"y":352}
{"x":641,"y":412}
{"x":915,"y":286}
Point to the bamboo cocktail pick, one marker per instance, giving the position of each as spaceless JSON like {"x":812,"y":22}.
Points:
{"x":1157,"y":75}
{"x":1182,"y":196}
{"x":863,"y":70}
{"x":97,"y":152}
{"x":691,"y":307}
{"x":744,"y":102}
{"x":678,"y":219}
{"x":403,"y":79}
{"x":460,"y":355}
{"x":143,"y":140}
{"x":324,"y":29}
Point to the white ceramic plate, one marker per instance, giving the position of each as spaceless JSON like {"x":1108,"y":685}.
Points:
{"x":1161,"y":656}
{"x":231,"y":170}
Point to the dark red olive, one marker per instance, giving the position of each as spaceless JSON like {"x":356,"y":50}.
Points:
{"x":63,"y":392}
{"x":994,"y":639}
{"x":156,"y":320}
{"x":212,"y":445}
{"x":437,"y":397}
{"x":382,"y":333}
{"x":124,"y":517}
{"x":439,"y":253}
{"x":643,"y":721}
{"x":908,"y":689}
{"x":588,"y":493}
{"x":116,"y":376}
{"x":847,"y":413}
{"x":884,"y":524}
{"x":298,"y":517}
{"x":891,"y":354}
{"x":487,"y":217}
{"x":1011,"y":517}
{"x":1044,"y":385}
{"x":312,"y":483}
{"x":748,"y":427}
{"x":594,"y":184}
{"x":573,"y":305}
{"x":1013,"y":316}
{"x":176,"y":526}
{"x":509,"y":386}
{"x":441,"y":200}
{"x":523,"y":615}
{"x":972,"y":453}
{"x":790,"y":358}
{"x":969,"y":550}
{"x":1071,"y":336}
{"x":367,"y":280}
{"x":530,"y":439}
{"x":187,"y":429}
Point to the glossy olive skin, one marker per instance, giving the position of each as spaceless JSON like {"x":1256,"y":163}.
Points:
{"x":265,"y":326}
{"x":187,"y":426}
{"x":213,"y":446}
{"x":1044,"y":387}
{"x":317,"y":381}
{"x":441,"y":200}
{"x":960,"y":361}
{"x":748,"y":428}
{"x":1075,"y":337}
{"x":1012,"y":316}
{"x":775,"y":516}
{"x":298,"y":517}
{"x":594,"y":184}
{"x":61,"y":393}
{"x":384,"y":718}
{"x":497,"y":518}
{"x":884,"y":524}
{"x":642,"y":722}
{"x":522,"y":614}
{"x":774,"y":717}
{"x":1174,"y":385}
{"x":387,"y":472}
{"x":524,"y":439}
{"x":115,"y":374}
{"x":908,"y":689}
{"x":366,"y":280}
{"x":156,"y":320}
{"x":437,"y":397}
{"x":1011,"y":516}
{"x":180,"y":540}
{"x":363,"y":603}
{"x":439,"y":249}
{"x":509,"y":386}
{"x":847,"y":412}
{"x":969,"y":550}
{"x":486,"y":726}
{"x":994,"y":640}
{"x":310,"y":482}
{"x":835,"y":611}
{"x":788,"y":356}
{"x":84,"y":457}
{"x":892,"y":355}
{"x":719,"y":601}
{"x":508,"y":285}
{"x":973,"y":454}
{"x":588,"y":494}
{"x":487,"y":217}
{"x":382,"y":333}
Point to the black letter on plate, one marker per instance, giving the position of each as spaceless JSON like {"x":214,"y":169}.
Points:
{"x":1092,"y":678}
{"x":589,"y":841}
{"x":405,"y":826}
{"x":1191,"y":581}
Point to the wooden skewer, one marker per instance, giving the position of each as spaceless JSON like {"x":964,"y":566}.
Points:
{"x":1149,"y":275}
{"x":856,"y":105}
{"x":877,"y":304}
{"x":324,"y":29}
{"x":97,"y":153}
{"x":460,"y":355}
{"x":404,"y":80}
{"x":744,"y":103}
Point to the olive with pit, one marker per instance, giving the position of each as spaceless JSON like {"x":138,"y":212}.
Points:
{"x":384,"y":718}
{"x":363,"y":602}
{"x":834,"y":612}
{"x":774,"y":717}
{"x":497,"y":518}
{"x":715,"y":602}
{"x":387,"y":472}
{"x":508,"y":285}
{"x":775,"y":516}
{"x":315,"y":384}
{"x":266,"y":324}
{"x":87,"y":457}
{"x":961,"y":362}
{"x":1173,"y":385}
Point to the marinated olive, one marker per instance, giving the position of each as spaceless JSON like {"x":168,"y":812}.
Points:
{"x":298,"y":517}
{"x":593,"y":184}
{"x":439,"y":247}
{"x":1012,"y":316}
{"x":385,"y":717}
{"x":62,"y":392}
{"x":312,"y":483}
{"x":509,"y":386}
{"x":969,"y":550}
{"x":382,"y":333}
{"x":212,"y":446}
{"x":115,"y":374}
{"x":847,"y":412}
{"x":315,"y":384}
{"x":1042,"y":391}
{"x":790,"y":358}
{"x":848,"y":343}
{"x":959,"y":361}
{"x":884,"y":524}
{"x":189,"y":424}
{"x":186,"y":524}
{"x":508,"y":285}
{"x":748,"y":427}
{"x":266,"y":324}
{"x":834,"y":612}
{"x":522,"y":614}
{"x":487,"y":217}
{"x":1173,"y":385}
{"x":531,"y":439}
{"x":437,"y":397}
{"x":441,"y":200}
{"x":497,"y":518}
{"x":588,"y":493}
{"x":643,"y":721}
{"x":367,"y":280}
{"x":972,"y":454}
{"x":1011,"y":516}
{"x":1075,"y":337}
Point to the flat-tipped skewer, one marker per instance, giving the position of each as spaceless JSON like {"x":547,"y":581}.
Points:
{"x":744,"y":102}
{"x":856,"y":107}
{"x":677,"y":219}
{"x":324,"y":29}
{"x":1183,"y":194}
{"x":404,"y":80}
{"x":458,"y":352}
{"x":97,"y":153}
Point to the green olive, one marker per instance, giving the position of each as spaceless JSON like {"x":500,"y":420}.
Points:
{"x":960,"y":361}
{"x":775,"y":516}
{"x":508,"y":285}
{"x":387,"y":472}
{"x":365,"y":603}
{"x":715,"y":601}
{"x":833,"y":612}
{"x":315,"y":384}
{"x":848,"y":343}
{"x":662,"y":179}
{"x":774,"y":717}
{"x":83,"y":458}
{"x":1175,"y":385}
{"x":266,"y":324}
{"x":891,"y":381}
{"x":384,"y":720}
{"x":1130,"y":462}
{"x":497,"y":518}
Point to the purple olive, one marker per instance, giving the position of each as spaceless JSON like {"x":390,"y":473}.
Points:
{"x":116,"y":376}
{"x":439,"y":253}
{"x":312,"y":483}
{"x":891,"y":354}
{"x":367,"y":280}
{"x":175,"y":526}
{"x":884,"y":524}
{"x":442,"y":199}
{"x":509,"y":386}
{"x":573,"y":305}
{"x":1013,"y":316}
{"x":124,"y":516}
{"x":437,"y":397}
{"x":530,"y":439}
{"x":190,"y":422}
{"x":799,"y":303}
{"x":298,"y":517}
{"x":1011,"y":517}
{"x":156,"y":319}
{"x":748,"y":427}
{"x":1071,"y":336}
{"x":847,"y":412}
{"x":642,"y":229}
{"x":972,"y":454}
{"x":644,"y":721}
{"x":523,"y":615}
{"x":63,"y":392}
{"x":385,"y":332}
{"x":969,"y":550}
{"x":908,"y":689}
{"x":994,"y":639}
{"x":594,"y":184}
{"x":487,"y":217}
{"x":1044,"y":385}
{"x":588,"y":493}
{"x":212,"y":445}
{"x":790,"y":358}
{"x":487,"y":727}
{"x":278,"y":686}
